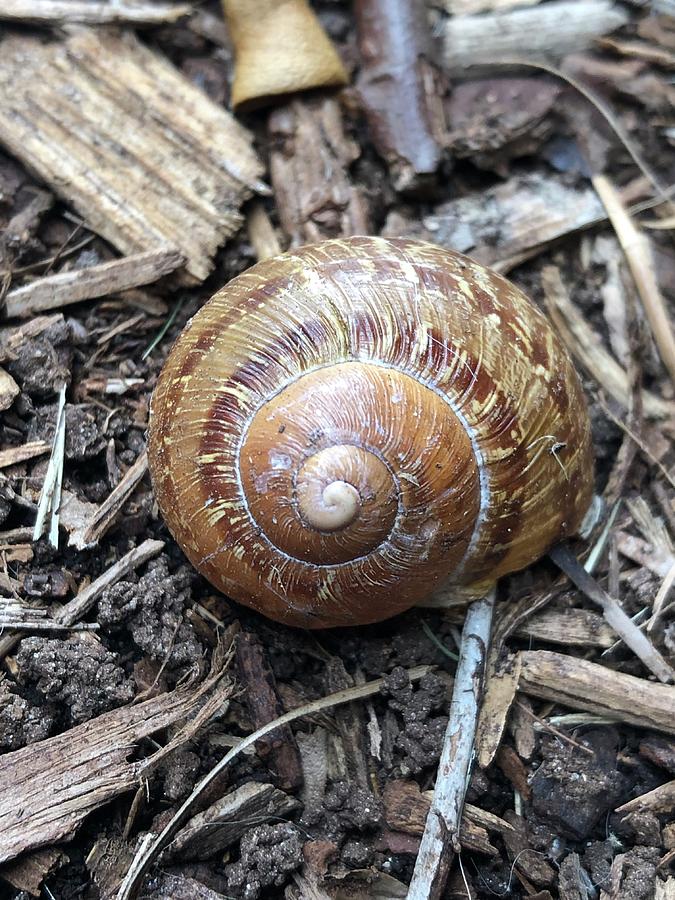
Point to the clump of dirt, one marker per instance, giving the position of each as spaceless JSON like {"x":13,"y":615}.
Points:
{"x":78,"y":675}
{"x":180,"y":772}
{"x":348,"y":818}
{"x":418,"y":743}
{"x":21,"y":721}
{"x":152,"y":611}
{"x":573,"y":790}
{"x":268,"y":855}
{"x":43,"y":363}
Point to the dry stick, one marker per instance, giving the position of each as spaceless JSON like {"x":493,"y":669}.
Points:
{"x":94,"y":528}
{"x":638,"y":253}
{"x":82,"y":603}
{"x":152,"y":845}
{"x":67,"y":12}
{"x":639,"y":643}
{"x":441,"y":832}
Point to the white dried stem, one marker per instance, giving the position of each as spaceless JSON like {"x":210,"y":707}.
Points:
{"x":441,"y":834}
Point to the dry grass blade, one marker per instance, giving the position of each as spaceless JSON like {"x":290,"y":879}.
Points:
{"x":587,"y":347}
{"x":50,"y":496}
{"x":638,"y":253}
{"x":151,"y":848}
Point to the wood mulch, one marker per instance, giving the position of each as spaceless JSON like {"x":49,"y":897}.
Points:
{"x":537,"y":138}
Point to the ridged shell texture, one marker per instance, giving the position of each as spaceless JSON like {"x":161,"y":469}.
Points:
{"x":346,"y":427}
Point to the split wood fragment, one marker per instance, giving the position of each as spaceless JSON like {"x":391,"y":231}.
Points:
{"x":225,"y":821}
{"x":76,"y":285}
{"x":96,"y":526}
{"x":13,"y":455}
{"x":142,"y":154}
{"x":308,"y":140}
{"x":91,"y":12}
{"x":579,"y":684}
{"x":552,"y":29}
{"x":83,"y":767}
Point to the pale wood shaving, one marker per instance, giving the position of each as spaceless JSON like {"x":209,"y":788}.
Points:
{"x":142,"y":154}
{"x":91,"y":12}
{"x":579,"y":684}
{"x":96,"y":281}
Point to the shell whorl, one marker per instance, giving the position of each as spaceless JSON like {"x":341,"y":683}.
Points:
{"x":343,"y":428}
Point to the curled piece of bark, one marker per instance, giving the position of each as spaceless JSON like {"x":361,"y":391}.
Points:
{"x":401,"y":88}
{"x":280,"y":48}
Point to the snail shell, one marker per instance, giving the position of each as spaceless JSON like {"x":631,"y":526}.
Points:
{"x":344,"y":428}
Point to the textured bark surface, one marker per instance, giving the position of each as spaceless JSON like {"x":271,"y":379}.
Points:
{"x":401,"y":88}
{"x":115,"y":130}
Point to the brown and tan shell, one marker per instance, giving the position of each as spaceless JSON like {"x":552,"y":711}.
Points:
{"x":428,"y":388}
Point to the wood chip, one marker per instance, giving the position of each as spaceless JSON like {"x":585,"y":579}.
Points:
{"x":9,"y":390}
{"x":224,"y":822}
{"x":309,"y":140}
{"x":91,"y":12}
{"x":143,"y":155}
{"x":14,"y":455}
{"x":406,"y":810}
{"x":552,"y":29}
{"x":660,"y":800}
{"x":506,"y":223}
{"x":28,"y":873}
{"x":579,"y":684}
{"x":569,"y":627}
{"x":103,"y":517}
{"x":58,"y":290}
{"x":84,"y":767}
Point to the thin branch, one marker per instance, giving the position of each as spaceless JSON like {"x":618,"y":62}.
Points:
{"x":441,"y":833}
{"x":638,"y":642}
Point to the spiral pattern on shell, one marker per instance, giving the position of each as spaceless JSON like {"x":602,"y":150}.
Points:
{"x":345,"y":427}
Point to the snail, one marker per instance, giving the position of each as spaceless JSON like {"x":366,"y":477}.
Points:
{"x":350,"y":425}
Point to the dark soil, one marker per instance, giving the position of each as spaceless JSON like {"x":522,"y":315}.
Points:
{"x":159,"y":626}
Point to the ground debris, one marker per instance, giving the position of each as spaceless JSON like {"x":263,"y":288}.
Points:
{"x":86,"y":766}
{"x":143,"y":156}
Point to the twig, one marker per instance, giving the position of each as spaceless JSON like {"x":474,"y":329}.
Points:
{"x":91,"y":13}
{"x":579,"y":684}
{"x":150,"y":849}
{"x":81,"y":604}
{"x":638,"y":253}
{"x":94,"y":528}
{"x":54,"y":291}
{"x":401,"y":88}
{"x":639,"y":643}
{"x":441,"y":833}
